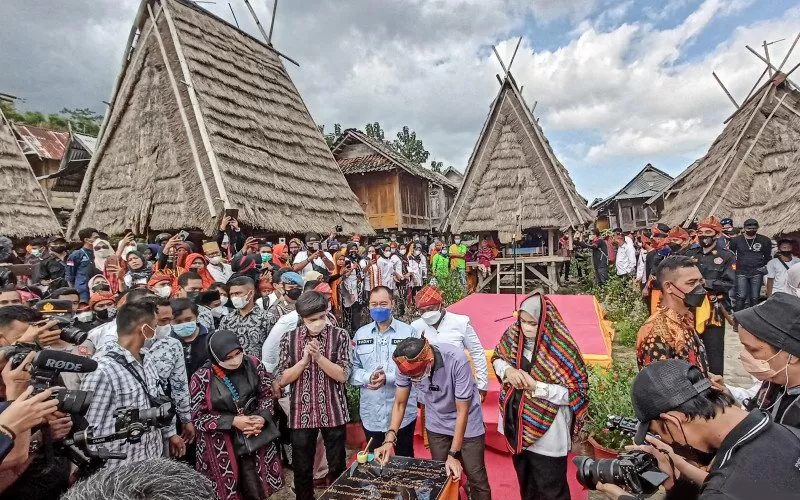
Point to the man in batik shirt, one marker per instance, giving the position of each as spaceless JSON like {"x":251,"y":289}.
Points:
{"x":670,"y":332}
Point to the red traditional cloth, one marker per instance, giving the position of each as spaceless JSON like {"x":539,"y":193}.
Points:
{"x":428,"y":296}
{"x":100,"y":297}
{"x":416,"y":366}
{"x":208,"y":280}
{"x":710,"y":223}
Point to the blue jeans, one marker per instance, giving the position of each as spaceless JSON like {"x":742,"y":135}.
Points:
{"x":748,"y":290}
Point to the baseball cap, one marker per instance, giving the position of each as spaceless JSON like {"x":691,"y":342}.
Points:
{"x":56,"y":239}
{"x":750,"y":222}
{"x":291,"y":278}
{"x":726,"y":221}
{"x":776,"y":321}
{"x":659,"y":388}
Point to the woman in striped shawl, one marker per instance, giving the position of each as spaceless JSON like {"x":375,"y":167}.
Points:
{"x":544,"y":400}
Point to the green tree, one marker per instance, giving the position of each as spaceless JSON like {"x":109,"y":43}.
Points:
{"x":83,"y":120}
{"x":375,"y":131}
{"x":331,"y":137}
{"x":436,"y":166}
{"x":409,"y":146}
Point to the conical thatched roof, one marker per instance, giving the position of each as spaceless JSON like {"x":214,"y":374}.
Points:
{"x":513,"y":171}
{"x":251,"y":139}
{"x":757,"y":175}
{"x":25,"y":211}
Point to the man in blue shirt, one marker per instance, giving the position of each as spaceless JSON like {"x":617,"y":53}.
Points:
{"x":374,"y":373}
{"x":79,"y":263}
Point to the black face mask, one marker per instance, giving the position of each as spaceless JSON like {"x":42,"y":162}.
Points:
{"x":102,"y":315}
{"x":788,"y":254}
{"x":294,"y":293}
{"x":689,"y":452}
{"x":101,"y":288}
{"x":694,"y":297}
{"x":58,"y":248}
{"x":750,"y":232}
{"x":674,"y":246}
{"x":730,"y":231}
{"x":707,"y":241}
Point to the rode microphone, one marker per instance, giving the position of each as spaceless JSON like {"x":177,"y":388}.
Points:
{"x":60,"y":361}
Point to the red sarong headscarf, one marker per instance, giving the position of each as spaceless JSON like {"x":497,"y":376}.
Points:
{"x":208,"y":280}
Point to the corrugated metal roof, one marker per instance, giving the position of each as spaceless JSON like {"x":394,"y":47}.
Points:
{"x":47,"y":144}
{"x":87,"y":141}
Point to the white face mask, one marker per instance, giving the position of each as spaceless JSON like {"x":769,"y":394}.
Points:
{"x":240,"y":302}
{"x":458,"y":241}
{"x":163,"y":331}
{"x":216,"y":260}
{"x":233,"y":363}
{"x":163,"y":291}
{"x":316,"y":326}
{"x":84,"y":316}
{"x":219,"y":311}
{"x":431,"y":317}
{"x":103,"y":253}
{"x":387,"y":254}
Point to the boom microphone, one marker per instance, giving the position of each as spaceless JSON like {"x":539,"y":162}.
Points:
{"x":53,"y":360}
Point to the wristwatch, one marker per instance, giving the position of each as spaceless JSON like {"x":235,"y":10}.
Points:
{"x":455,"y":454}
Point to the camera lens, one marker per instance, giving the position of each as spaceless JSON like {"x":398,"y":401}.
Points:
{"x":590,"y":472}
{"x":73,"y":335}
{"x":74,"y":402}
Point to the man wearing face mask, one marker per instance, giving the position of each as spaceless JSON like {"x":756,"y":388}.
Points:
{"x":778,"y":267}
{"x":290,"y":286}
{"x":442,"y":377}
{"x":218,"y":269}
{"x":53,"y":268}
{"x":753,"y":251}
{"x":161,"y":284}
{"x":670,"y":331}
{"x":751,"y":456}
{"x":374,"y":373}
{"x":728,"y":232}
{"x":313,"y":259}
{"x":458,"y":262}
{"x":250,"y":323}
{"x":79,"y":263}
{"x":444,"y":327}
{"x":716,"y":266}
{"x":190,"y":285}
{"x":314,"y":363}
{"x":122,"y":380}
{"x":390,"y":267}
{"x":104,"y":306}
{"x":559,"y":398}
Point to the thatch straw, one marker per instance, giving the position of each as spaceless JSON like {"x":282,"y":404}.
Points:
{"x":273,"y":161}
{"x":765,"y":187}
{"x":24,"y":212}
{"x":511,"y":172}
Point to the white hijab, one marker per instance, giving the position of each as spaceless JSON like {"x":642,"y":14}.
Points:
{"x":100,"y":259}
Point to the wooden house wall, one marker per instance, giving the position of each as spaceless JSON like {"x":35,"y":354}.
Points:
{"x":376,"y":193}
{"x":414,"y":202}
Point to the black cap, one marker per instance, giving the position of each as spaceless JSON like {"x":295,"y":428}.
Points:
{"x":56,"y":239}
{"x":776,"y":321}
{"x":661,"y":387}
{"x":750,"y":222}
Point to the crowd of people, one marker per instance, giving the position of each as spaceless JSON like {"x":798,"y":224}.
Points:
{"x":234,"y":356}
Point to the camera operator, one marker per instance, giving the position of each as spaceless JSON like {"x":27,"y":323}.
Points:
{"x":122,"y":381}
{"x":23,"y":325}
{"x":751,"y":457}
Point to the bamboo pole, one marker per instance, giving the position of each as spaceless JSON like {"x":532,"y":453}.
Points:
{"x":725,"y":90}
{"x":234,"y":15}
{"x":184,"y":119}
{"x":514,"y":54}
{"x":789,"y":52}
{"x":198,"y":114}
{"x":272,"y":21}
{"x":258,"y":23}
{"x":746,"y":154}
{"x":766,"y":53}
{"x":770,"y":66}
{"x":728,"y":157}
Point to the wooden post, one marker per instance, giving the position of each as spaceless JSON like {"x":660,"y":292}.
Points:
{"x":272,"y":22}
{"x":198,"y":114}
{"x":550,"y":243}
{"x":206,"y":192}
{"x":725,"y":90}
{"x":258,"y":23}
{"x":766,"y":53}
{"x":398,"y":202}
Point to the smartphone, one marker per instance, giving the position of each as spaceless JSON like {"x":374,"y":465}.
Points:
{"x":183,"y":235}
{"x":21,"y":269}
{"x":282,"y":241}
{"x":339,"y":229}
{"x":233,"y":213}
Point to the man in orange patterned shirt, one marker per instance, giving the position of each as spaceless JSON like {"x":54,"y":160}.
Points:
{"x":670,"y":332}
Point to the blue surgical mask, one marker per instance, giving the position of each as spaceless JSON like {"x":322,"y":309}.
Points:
{"x":380,"y":314}
{"x":185,"y":329}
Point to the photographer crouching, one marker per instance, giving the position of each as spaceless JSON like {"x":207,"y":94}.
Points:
{"x":750,"y":456}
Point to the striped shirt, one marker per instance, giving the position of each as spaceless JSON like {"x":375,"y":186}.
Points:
{"x":316,"y":400}
{"x":114,"y":388}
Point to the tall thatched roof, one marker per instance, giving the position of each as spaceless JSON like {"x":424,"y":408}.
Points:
{"x":250,"y":140}
{"x":25,"y":211}
{"x":751,"y":170}
{"x":513,"y":171}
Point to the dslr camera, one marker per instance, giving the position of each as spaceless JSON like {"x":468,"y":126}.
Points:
{"x":133,"y":423}
{"x":46,"y":366}
{"x":61,"y":312}
{"x":635,"y":471}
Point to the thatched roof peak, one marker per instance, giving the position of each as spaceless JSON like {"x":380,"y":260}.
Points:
{"x":206,"y":116}
{"x":512,"y":173}
{"x":25,"y":211}
{"x":752,"y":170}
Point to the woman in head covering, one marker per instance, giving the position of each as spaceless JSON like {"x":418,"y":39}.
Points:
{"x":232,"y":409}
{"x":197,"y":263}
{"x":280,"y":255}
{"x":138,"y":272}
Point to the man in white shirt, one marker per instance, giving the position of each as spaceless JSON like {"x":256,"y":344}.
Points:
{"x":626,"y":254}
{"x":443,"y":327}
{"x":218,"y":269}
{"x":550,"y":386}
{"x":391,"y":268}
{"x":778,"y":267}
{"x":312,"y":256}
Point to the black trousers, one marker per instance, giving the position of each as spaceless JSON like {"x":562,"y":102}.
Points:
{"x":304,"y":444}
{"x":714,"y":342}
{"x":404,"y":446}
{"x":602,"y":275}
{"x":541,"y":477}
{"x":249,"y":482}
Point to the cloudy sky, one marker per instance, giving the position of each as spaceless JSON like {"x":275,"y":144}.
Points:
{"x":618,"y":83}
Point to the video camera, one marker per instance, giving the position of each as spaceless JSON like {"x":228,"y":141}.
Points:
{"x":635,"y":471}
{"x":131,"y":424}
{"x":45,"y":369}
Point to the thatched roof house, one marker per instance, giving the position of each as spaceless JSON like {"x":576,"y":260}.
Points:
{"x":205,"y":116}
{"x":395,"y":193}
{"x":25,"y":211}
{"x":513,"y":171}
{"x":627,"y":208}
{"x":751,"y":170}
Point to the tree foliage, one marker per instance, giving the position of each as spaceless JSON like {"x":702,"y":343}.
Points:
{"x":409,"y":146}
{"x":331,"y":137}
{"x":436,"y":166}
{"x":374,"y":131}
{"x":82,"y":120}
